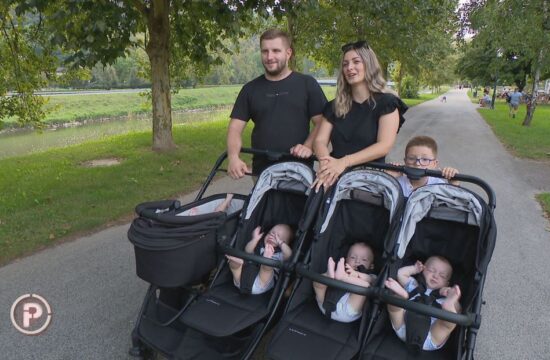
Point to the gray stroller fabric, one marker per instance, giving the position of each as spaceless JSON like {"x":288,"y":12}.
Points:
{"x":286,"y":175}
{"x":431,"y":197}
{"x":373,"y":181}
{"x":209,"y":207}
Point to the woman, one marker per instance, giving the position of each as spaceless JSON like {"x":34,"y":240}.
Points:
{"x":362,"y":121}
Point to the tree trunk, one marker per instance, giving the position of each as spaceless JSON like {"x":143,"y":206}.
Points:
{"x":532,"y":104}
{"x":158,"y":50}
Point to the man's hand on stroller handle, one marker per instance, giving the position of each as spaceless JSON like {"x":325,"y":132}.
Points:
{"x":237,"y":168}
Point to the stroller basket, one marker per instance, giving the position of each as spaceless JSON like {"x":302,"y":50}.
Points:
{"x":174,"y":248}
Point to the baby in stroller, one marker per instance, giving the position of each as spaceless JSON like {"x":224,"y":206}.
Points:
{"x":346,"y":307}
{"x":275,"y":245}
{"x":431,"y":288}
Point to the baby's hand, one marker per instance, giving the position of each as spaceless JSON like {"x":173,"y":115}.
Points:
{"x":449,"y":172}
{"x":350,"y":270}
{"x":269,"y":251}
{"x":418,"y":266}
{"x":444,"y":291}
{"x":256,"y":234}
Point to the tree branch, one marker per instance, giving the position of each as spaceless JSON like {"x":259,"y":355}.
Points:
{"x":140,"y":6}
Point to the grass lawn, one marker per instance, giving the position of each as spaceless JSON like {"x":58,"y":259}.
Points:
{"x":531,"y":142}
{"x":66,"y":108}
{"x":50,"y":195}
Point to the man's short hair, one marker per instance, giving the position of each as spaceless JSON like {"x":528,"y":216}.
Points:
{"x":422,"y":141}
{"x":271,"y":34}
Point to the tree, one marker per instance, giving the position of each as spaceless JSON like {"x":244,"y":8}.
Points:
{"x":408,"y":32}
{"x":178,"y":36}
{"x":518,"y":28}
{"x":27,"y":63}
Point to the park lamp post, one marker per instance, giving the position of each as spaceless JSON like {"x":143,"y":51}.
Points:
{"x":499,"y":55}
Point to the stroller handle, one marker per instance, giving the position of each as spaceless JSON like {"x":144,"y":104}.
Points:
{"x":459,"y":319}
{"x":415,"y":173}
{"x":255,"y":258}
{"x":272,"y":155}
{"x":303,"y":270}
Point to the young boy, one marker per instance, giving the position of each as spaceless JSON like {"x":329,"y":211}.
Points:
{"x":275,"y":245}
{"x":436,"y":274}
{"x":349,"y":307}
{"x":421,"y":152}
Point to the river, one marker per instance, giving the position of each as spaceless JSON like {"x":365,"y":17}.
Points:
{"x":23,"y":142}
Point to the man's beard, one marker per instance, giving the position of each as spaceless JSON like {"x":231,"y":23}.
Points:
{"x":281,"y":65}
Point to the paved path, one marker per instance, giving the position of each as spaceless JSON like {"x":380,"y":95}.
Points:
{"x":94,"y":294}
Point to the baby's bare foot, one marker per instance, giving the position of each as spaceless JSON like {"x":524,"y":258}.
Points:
{"x":330,"y":267}
{"x":340,"y":273}
{"x":234,"y":262}
{"x":396,"y":288}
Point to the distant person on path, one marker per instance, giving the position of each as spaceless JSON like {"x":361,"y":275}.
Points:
{"x":281,"y":103}
{"x":486,"y":99}
{"x":362,"y":121}
{"x":421,"y":152}
{"x":444,"y":99}
{"x":515,"y":99}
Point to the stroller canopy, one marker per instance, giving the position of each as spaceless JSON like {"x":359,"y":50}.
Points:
{"x":282,"y":176}
{"x":447,"y":200}
{"x":368,"y":181}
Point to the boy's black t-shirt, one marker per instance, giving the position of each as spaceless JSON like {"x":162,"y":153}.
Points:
{"x":281,"y":111}
{"x":358,"y":129}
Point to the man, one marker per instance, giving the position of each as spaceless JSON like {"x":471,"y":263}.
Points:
{"x":515,"y":99}
{"x":280,"y":103}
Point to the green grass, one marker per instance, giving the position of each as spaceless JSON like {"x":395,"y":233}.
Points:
{"x":66,"y":108}
{"x":50,"y":195}
{"x":422,"y":98}
{"x":531,"y":142}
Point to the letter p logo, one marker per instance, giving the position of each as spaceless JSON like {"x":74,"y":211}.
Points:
{"x":31,"y":314}
{"x":31,"y":311}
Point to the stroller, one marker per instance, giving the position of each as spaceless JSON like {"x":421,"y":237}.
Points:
{"x":455,"y":223}
{"x":364,"y":205}
{"x":221,"y":322}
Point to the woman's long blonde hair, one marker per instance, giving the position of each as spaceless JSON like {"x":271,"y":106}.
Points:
{"x":373,"y":76}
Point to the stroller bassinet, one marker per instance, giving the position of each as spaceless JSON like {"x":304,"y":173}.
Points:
{"x":457,"y":224}
{"x":364,"y":205}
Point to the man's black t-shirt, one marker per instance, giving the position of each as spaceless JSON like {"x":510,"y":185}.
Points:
{"x":281,"y":112}
{"x":358,"y":129}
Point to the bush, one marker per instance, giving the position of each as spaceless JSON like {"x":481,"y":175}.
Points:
{"x":409,"y":88}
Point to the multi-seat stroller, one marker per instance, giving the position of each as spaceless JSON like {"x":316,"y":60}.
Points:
{"x":458,"y":224}
{"x":220,"y":321}
{"x":365,"y":205}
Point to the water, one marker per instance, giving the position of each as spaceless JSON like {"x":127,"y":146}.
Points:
{"x":28,"y":141}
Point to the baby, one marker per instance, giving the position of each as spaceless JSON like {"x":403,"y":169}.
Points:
{"x":436,"y":273}
{"x":351,"y":270}
{"x":275,"y":245}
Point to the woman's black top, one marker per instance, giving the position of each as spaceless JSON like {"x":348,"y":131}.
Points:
{"x":358,"y":129}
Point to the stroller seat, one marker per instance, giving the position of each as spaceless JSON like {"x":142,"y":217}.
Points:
{"x":303,"y":328}
{"x":227,"y":310}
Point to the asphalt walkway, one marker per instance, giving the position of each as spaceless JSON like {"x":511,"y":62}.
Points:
{"x":91,"y":285}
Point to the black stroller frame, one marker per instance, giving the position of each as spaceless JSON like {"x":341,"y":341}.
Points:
{"x":364,"y":203}
{"x":172,"y":330}
{"x":482,"y":238}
